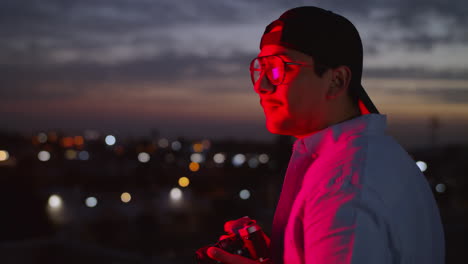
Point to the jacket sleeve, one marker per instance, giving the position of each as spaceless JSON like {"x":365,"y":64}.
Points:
{"x":341,"y":227}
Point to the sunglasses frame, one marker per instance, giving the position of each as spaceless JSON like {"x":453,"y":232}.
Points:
{"x":263,"y":72}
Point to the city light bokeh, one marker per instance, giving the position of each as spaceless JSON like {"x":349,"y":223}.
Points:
{"x":197,"y":158}
{"x":219,"y":158}
{"x":184,"y":182}
{"x":193,"y":166}
{"x":55,"y":201}
{"x":169,"y":180}
{"x":238,"y":160}
{"x":91,"y":202}
{"x":422,"y":165}
{"x":43,"y":155}
{"x":244,"y":194}
{"x":4,"y":155}
{"x":143,"y":157}
{"x":125,"y":197}
{"x":176,"y":194}
{"x":110,"y":140}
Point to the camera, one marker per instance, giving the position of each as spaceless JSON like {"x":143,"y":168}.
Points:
{"x":245,"y":238}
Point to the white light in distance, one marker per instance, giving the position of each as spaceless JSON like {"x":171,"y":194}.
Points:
{"x":244,"y":194}
{"x":83,"y":155}
{"x":219,"y":158}
{"x":238,"y":160}
{"x":176,"y":145}
{"x":440,"y":188}
{"x":422,"y":165}
{"x":143,"y":157}
{"x":55,"y":201}
{"x":110,"y":140}
{"x":196,"y":157}
{"x":4,"y":155}
{"x":43,"y":155}
{"x":175,"y":194}
{"x":91,"y":201}
{"x":263,"y":158}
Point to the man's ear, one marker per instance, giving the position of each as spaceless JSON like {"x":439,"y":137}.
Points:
{"x":339,"y":83}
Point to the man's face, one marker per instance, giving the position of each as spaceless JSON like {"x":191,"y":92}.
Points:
{"x":298,"y":107}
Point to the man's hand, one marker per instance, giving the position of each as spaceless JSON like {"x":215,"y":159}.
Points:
{"x":228,"y":258}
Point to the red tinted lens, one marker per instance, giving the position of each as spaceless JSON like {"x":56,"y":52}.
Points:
{"x":275,"y":69}
{"x":255,"y":70}
{"x":271,"y":66}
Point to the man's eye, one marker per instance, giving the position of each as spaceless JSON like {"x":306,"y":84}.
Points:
{"x":288,"y":67}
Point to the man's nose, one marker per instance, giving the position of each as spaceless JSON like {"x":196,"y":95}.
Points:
{"x":263,"y":85}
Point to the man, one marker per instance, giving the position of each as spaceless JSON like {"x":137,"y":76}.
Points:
{"x":351,"y":194}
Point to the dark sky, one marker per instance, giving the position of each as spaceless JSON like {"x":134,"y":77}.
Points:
{"x":130,"y":66}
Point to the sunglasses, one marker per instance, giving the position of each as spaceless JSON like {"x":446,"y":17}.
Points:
{"x":273,"y":67}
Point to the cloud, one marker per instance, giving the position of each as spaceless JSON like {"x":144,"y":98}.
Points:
{"x":206,"y":74}
{"x":413,"y":91}
{"x":103,"y":31}
{"x":436,"y":95}
{"x":48,"y":81}
{"x":122,"y":30}
{"x":407,"y":72}
{"x":129,"y":13}
{"x":400,"y":24}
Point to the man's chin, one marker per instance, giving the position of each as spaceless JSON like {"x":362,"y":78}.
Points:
{"x":276,"y":128}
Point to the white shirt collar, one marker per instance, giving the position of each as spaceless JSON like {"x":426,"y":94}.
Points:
{"x":364,"y":124}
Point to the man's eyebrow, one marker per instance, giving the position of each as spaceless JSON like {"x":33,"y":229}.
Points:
{"x":282,"y":54}
{"x":286,"y":55}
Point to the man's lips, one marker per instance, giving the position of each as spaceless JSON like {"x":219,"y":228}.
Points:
{"x":270,"y":102}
